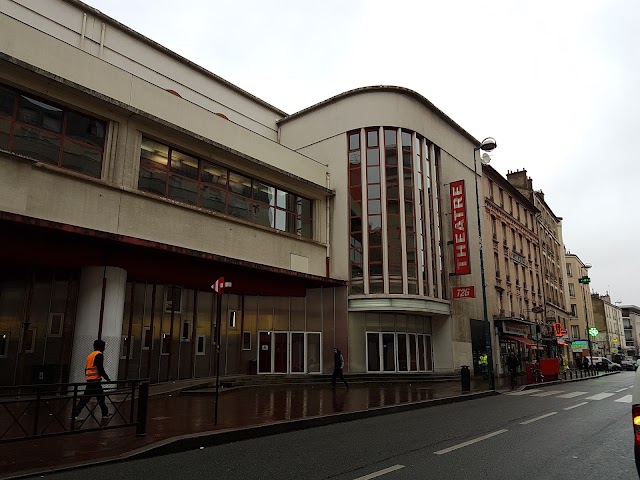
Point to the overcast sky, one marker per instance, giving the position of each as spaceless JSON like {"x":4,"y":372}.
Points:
{"x":555,"y":82}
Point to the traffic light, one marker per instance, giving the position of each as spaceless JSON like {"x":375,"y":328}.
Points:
{"x":585,"y":280}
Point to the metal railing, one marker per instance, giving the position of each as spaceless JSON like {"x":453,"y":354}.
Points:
{"x":37,"y":411}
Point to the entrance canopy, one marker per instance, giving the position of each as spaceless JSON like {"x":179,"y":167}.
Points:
{"x":528,"y":342}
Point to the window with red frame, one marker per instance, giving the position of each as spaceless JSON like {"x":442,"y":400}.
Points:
{"x":43,"y":131}
{"x":409,"y":213}
{"x":374,"y":212}
{"x":394,"y":248}
{"x":182,"y":177}
{"x":355,"y":214}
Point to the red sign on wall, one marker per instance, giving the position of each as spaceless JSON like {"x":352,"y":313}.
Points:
{"x":464,"y":292}
{"x":459,"y":222}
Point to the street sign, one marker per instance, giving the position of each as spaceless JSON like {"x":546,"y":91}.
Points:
{"x":464,"y":292}
{"x":585,"y":280}
{"x":537,"y":309}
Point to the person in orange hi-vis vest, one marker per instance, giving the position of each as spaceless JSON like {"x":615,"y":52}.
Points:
{"x":93,"y":374}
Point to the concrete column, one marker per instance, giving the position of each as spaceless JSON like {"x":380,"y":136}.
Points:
{"x":88,"y":318}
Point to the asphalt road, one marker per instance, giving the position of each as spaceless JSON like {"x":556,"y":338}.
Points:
{"x":577,"y":430}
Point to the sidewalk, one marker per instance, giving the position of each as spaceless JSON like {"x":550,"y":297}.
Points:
{"x":177,"y":422}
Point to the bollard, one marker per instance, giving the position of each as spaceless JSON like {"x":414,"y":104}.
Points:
{"x":143,"y":400}
{"x":465,"y":378}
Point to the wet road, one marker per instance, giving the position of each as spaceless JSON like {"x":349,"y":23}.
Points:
{"x":577,"y":430}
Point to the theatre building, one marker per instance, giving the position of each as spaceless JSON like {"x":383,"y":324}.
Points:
{"x":132,"y":179}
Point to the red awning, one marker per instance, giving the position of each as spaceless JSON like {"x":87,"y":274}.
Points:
{"x":560,"y":342}
{"x":517,"y":338}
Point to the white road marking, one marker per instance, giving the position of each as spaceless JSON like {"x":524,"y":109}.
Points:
{"x":621,"y":390}
{"x":381,"y":472}
{"x":524,"y":392}
{"x":470,"y":442}
{"x":576,"y":406}
{"x":625,"y":399}
{"x":599,"y":396}
{"x":572,"y":394}
{"x":538,"y":418}
{"x":547,"y":393}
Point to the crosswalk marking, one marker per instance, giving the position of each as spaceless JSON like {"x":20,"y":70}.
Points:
{"x":599,"y":396}
{"x":625,"y":399}
{"x":525,"y":392}
{"x":572,"y":394}
{"x":547,"y":393}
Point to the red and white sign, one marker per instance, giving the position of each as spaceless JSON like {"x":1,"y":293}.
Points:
{"x":464,"y":292}
{"x":459,"y":222}
{"x":219,"y":286}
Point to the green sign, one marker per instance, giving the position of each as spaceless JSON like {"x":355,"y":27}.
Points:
{"x":579,"y":345}
{"x":584,"y":280}
{"x":593,"y":331}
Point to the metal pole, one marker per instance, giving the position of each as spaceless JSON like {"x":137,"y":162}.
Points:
{"x":586,"y":318}
{"x":218,"y":329}
{"x":487,"y":325}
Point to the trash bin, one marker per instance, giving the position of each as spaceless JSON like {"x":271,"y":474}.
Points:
{"x":465,"y":378}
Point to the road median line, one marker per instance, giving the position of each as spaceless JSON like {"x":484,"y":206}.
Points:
{"x":470,"y":442}
{"x":538,"y":418}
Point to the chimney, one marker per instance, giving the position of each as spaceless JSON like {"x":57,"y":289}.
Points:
{"x":518,"y":179}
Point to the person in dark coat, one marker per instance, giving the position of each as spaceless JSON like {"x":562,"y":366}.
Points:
{"x":512,"y":365}
{"x":585,"y":363}
{"x":338,"y":365}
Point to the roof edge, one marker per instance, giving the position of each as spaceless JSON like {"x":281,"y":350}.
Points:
{"x":381,"y":88}
{"x":172,"y":54}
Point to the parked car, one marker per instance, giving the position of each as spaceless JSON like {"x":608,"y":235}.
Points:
{"x":604,"y":363}
{"x":628,"y":365}
{"x":635,"y":414}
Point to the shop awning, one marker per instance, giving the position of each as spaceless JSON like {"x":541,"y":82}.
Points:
{"x":560,"y":342}
{"x":517,"y":338}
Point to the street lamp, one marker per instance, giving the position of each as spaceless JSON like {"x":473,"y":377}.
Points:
{"x":587,"y":266}
{"x":487,"y":145}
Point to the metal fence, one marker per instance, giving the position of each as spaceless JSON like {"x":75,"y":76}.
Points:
{"x":37,"y":411}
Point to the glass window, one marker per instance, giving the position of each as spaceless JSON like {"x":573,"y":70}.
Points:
{"x":354,"y":141}
{"x":5,"y":129}
{"x":82,"y":158}
{"x":213,"y":174}
{"x":84,"y":129}
{"x":154,"y":153}
{"x":285,"y":200}
{"x":39,"y":114}
{"x":7,"y":101}
{"x":239,"y":207}
{"x":264,"y":193}
{"x":183,"y":190}
{"x":240,"y":184}
{"x":372,"y":138}
{"x":263,"y":215}
{"x":373,"y":174}
{"x":184,"y":165}
{"x":152,"y":180}
{"x":213,"y":198}
{"x":304,"y":207}
{"x":36,"y":144}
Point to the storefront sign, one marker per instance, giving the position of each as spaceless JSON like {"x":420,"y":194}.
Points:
{"x":579,"y":346}
{"x":514,"y":328}
{"x":464,"y":292}
{"x":459,"y":222}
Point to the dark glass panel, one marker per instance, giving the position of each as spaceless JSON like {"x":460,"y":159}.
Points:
{"x":5,"y":127}
{"x":373,"y":191}
{"x":305,"y":227}
{"x":184,"y":165}
{"x":356,"y":271}
{"x":7,"y":101}
{"x":406,"y":139}
{"x":354,"y":141}
{"x":375,"y":222}
{"x":355,"y":176}
{"x":82,"y":159}
{"x":395,"y":286}
{"x":213,"y":198}
{"x":375,"y":254}
{"x":395,"y":270}
{"x":152,"y":180}
{"x":373,"y":174}
{"x":390,"y":138}
{"x":212,"y":173}
{"x":85,"y":129}
{"x":395,"y":238}
{"x":264,"y":193}
{"x":36,"y":144}
{"x":304,"y":207}
{"x":375,"y":238}
{"x":240,"y":185}
{"x":39,"y":114}
{"x":238,"y":206}
{"x":154,"y":152}
{"x":375,"y":269}
{"x":263,"y":214}
{"x":374,"y":207}
{"x":393,"y":206}
{"x":373,"y":157}
{"x":393,"y":222}
{"x":413,"y":288}
{"x":395,"y":255}
{"x":372,"y":138}
{"x":376,"y":286}
{"x":183,"y":190}
{"x":356,"y":224}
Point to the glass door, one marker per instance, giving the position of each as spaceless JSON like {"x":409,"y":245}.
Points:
{"x":297,"y":352}
{"x":314,"y":354}
{"x":373,"y":352}
{"x":402,"y":352}
{"x":412,"y":338}
{"x":280,"y":354}
{"x":264,"y":352}
{"x":388,"y":352}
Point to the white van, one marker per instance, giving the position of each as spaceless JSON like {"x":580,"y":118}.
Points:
{"x":604,"y":360}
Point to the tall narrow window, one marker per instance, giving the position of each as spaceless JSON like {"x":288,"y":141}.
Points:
{"x":422,"y":244}
{"x":394,"y":237}
{"x":374,"y":213}
{"x":409,"y":213}
{"x":355,"y":213}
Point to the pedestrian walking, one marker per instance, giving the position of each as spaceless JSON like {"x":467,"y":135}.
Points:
{"x":483,"y":363}
{"x":512,"y":366}
{"x":585,"y":363}
{"x":338,"y":365}
{"x":93,"y":374}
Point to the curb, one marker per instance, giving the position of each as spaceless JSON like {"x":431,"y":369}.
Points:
{"x":557,"y":382}
{"x":209,"y":439}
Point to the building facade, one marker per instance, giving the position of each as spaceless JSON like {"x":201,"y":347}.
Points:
{"x":514,"y":288}
{"x":131,"y":179}
{"x":554,"y":277}
{"x":610,"y":340}
{"x":580,"y":307}
{"x":631,"y":323}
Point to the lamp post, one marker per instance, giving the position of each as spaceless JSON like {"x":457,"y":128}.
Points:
{"x":587,"y":266}
{"x":487,"y":145}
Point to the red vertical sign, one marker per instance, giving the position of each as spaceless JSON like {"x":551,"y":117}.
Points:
{"x":459,"y":222}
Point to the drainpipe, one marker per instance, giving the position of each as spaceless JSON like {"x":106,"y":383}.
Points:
{"x":328,"y":199}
